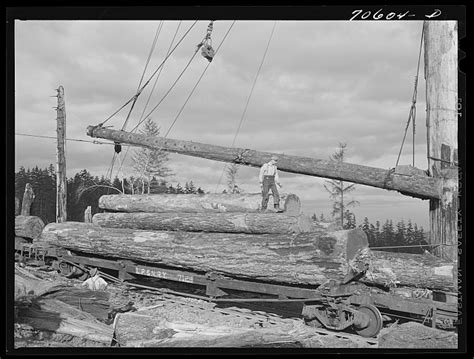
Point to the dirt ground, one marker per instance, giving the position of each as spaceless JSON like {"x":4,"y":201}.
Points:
{"x":189,"y":322}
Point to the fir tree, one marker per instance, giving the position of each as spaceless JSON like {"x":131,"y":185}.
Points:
{"x":338,"y":190}
{"x":231,"y":174}
{"x":147,"y":162}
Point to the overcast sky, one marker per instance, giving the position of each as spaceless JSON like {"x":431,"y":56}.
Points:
{"x":322,"y":83}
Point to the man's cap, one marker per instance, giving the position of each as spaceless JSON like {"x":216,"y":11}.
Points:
{"x":275,"y":158}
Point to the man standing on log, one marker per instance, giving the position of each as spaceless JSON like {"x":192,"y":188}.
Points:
{"x":268,"y":178}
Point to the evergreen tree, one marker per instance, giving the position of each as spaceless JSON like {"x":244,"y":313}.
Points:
{"x":321,"y":217}
{"x":189,"y":188}
{"x":314,"y":217}
{"x":118,"y":184}
{"x":378,"y":234}
{"x":368,"y":230}
{"x":179,"y":189}
{"x":231,"y":174}
{"x":349,"y":219}
{"x":388,"y":234}
{"x":373,"y":236}
{"x":338,"y":190}
{"x":410,"y":235}
{"x":147,"y":162}
{"x":399,"y":236}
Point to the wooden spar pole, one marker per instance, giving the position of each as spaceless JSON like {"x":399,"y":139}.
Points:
{"x":441,"y":73}
{"x":416,"y":185}
{"x":61,"y":183}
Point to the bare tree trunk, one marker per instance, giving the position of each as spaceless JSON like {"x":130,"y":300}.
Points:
{"x":28,"y":198}
{"x":88,"y":215}
{"x":17,"y":206}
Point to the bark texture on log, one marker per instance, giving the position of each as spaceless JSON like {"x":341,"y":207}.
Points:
{"x":406,"y":269}
{"x":258,"y":223}
{"x":28,"y":198}
{"x":414,"y":185}
{"x":211,"y":202}
{"x":28,"y":226}
{"x":141,"y":330}
{"x":306,"y":258}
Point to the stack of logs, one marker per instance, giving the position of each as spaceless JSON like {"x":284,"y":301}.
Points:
{"x":226,"y":234}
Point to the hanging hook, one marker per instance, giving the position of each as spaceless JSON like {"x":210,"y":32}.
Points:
{"x":206,"y":46}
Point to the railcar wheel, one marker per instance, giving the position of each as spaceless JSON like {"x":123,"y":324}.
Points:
{"x":375,"y":321}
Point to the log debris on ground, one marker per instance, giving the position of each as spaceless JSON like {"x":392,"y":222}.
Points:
{"x":53,"y":315}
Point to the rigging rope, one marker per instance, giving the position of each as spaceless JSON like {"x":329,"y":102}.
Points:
{"x":134,"y":98}
{"x":169,"y":90}
{"x":157,"y":33}
{"x":198,"y":81}
{"x":117,"y":145}
{"x":67,"y":139}
{"x":172,"y":86}
{"x":248,"y":99}
{"x":412,"y":113}
{"x":151,"y":93}
{"x":151,"y":77}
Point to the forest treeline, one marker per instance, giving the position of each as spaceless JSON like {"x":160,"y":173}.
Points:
{"x":403,"y":236}
{"x":84,"y":190}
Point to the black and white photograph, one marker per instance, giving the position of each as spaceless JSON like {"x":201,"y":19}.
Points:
{"x":271,"y":179}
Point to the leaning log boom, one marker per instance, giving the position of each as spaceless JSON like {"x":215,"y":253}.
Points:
{"x":415,"y":185}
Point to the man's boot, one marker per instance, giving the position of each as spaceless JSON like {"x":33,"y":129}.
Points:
{"x":277,"y":207}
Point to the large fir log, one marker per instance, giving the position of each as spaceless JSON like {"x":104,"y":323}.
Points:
{"x":277,"y":223}
{"x":210,"y":202}
{"x":306,"y":258}
{"x":420,"y":186}
{"x":28,"y":226}
{"x":392,"y":269}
